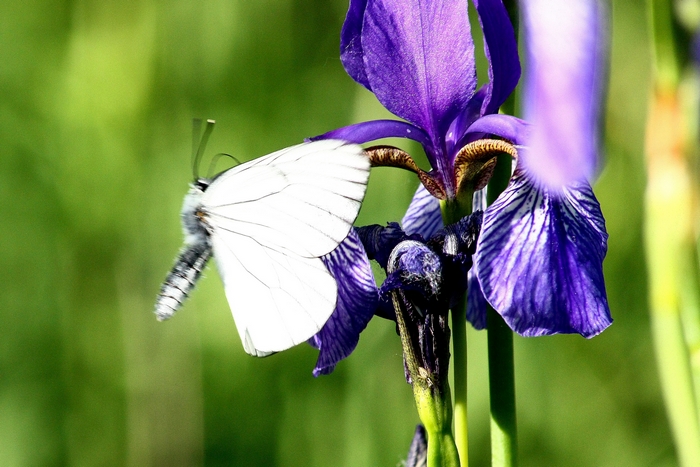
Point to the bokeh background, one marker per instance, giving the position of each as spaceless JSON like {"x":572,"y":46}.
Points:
{"x":96,"y":102}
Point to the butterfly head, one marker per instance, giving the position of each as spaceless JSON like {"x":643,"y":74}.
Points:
{"x":200,"y":185}
{"x":192,"y":215}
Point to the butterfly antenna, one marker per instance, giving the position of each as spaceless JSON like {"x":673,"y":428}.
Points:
{"x":196,"y":132}
{"x":215,"y":160}
{"x":198,"y":149}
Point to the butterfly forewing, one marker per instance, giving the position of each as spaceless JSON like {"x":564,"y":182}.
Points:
{"x":302,"y":200}
{"x":291,"y":224}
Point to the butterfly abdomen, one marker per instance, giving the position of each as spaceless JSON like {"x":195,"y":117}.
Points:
{"x":182,"y":279}
{"x":190,"y":262}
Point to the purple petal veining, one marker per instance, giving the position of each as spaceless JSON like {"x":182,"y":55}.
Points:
{"x":540,"y":258}
{"x":423,"y":216}
{"x":419,"y":59}
{"x":357,"y":301}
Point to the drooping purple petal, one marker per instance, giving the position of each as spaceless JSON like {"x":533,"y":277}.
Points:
{"x":540,"y":259}
{"x":566,"y":47}
{"x":476,"y":302}
{"x":364,"y":132}
{"x":351,"y":54}
{"x":501,"y":52}
{"x":357,"y":301}
{"x":423,"y":216}
{"x":419,"y":60}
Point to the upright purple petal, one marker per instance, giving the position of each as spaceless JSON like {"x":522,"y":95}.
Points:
{"x":465,"y":118}
{"x":357,"y":301}
{"x":423,"y":216}
{"x":540,"y":259}
{"x":419,"y":59}
{"x":351,"y":54}
{"x":501,"y":52}
{"x":566,"y":46}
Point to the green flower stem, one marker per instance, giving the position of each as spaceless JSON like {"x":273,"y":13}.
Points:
{"x":435,"y":412}
{"x":451,"y":213}
{"x":668,"y":243}
{"x":504,"y":435}
{"x":666,"y":62}
{"x":689,"y":96}
{"x":690,"y":316}
{"x":504,"y":429}
{"x":459,"y":349}
{"x":432,"y":400}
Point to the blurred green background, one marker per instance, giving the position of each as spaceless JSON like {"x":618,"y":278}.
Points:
{"x":96,"y":102}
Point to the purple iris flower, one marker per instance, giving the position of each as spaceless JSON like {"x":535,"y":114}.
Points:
{"x":539,"y":256}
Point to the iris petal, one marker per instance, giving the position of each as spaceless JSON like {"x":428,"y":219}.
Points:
{"x":464,"y":119}
{"x":419,"y":60}
{"x":563,"y":87}
{"x":476,"y":302}
{"x":423,"y":216}
{"x":501,"y":52}
{"x":357,"y":301}
{"x":351,"y":54}
{"x":540,"y":256}
{"x":377,"y":129}
{"x":513,"y":129}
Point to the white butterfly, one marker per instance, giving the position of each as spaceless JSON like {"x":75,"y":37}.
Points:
{"x":268,"y":222}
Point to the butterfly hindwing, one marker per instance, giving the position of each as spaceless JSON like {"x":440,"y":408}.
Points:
{"x":277,"y":300}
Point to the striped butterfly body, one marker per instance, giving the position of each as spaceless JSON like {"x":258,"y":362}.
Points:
{"x":267,"y":223}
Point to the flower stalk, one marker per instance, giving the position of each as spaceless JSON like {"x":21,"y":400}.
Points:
{"x":459,"y":348}
{"x":451,"y":213}
{"x":668,"y":202}
{"x":431,"y":391}
{"x":504,"y":433}
{"x":669,"y":235}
